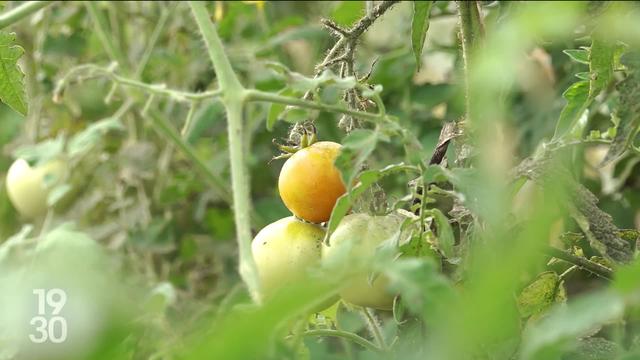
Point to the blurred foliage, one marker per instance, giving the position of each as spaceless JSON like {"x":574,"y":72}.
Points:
{"x":146,"y":246}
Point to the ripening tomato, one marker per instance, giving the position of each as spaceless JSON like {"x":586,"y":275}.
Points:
{"x":356,"y":240}
{"x":29,"y":187}
{"x":309,"y":183}
{"x":284,"y":251}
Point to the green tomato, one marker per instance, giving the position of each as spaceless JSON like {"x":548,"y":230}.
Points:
{"x":29,"y":187}
{"x":284,"y":251}
{"x":353,"y":244}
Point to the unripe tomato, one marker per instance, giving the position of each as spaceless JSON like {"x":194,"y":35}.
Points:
{"x":284,"y":251}
{"x":309,"y":183}
{"x":27,"y":186}
{"x":356,"y":239}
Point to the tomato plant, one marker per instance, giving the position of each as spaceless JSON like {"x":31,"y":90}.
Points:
{"x":474,"y":195}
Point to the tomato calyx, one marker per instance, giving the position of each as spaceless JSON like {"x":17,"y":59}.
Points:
{"x":301,"y":135}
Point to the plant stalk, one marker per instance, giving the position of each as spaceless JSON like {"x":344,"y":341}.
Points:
{"x":583,"y":263}
{"x":14,"y":15}
{"x":234,"y":96}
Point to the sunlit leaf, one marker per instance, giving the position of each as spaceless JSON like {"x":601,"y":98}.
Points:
{"x":12,"y":91}
{"x":540,"y":294}
{"x":578,"y":55}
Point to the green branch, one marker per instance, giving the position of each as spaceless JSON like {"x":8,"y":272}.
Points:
{"x":226,"y":76}
{"x":581,"y":262}
{"x":471,"y":30}
{"x":257,"y":95}
{"x":14,"y":15}
{"x":156,"y":89}
{"x":233,"y":98}
{"x":345,"y":335}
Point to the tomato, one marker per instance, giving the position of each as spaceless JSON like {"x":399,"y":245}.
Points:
{"x":29,"y":187}
{"x":284,"y":251}
{"x":355,"y":242}
{"x":309,"y":183}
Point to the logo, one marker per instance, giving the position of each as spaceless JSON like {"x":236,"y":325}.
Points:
{"x":48,"y":324}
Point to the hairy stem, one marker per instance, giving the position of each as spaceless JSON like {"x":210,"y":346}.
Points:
{"x":257,"y":95}
{"x":14,"y":15}
{"x":586,"y":264}
{"x":156,"y":89}
{"x":374,"y":328}
{"x":471,"y":31}
{"x":233,"y":97}
{"x":345,"y":335}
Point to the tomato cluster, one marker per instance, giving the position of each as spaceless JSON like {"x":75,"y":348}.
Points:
{"x":309,"y":185}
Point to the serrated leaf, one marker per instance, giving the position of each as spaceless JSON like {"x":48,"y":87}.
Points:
{"x":445,"y":238}
{"x":12,"y":91}
{"x":419,"y":27}
{"x":538,"y":296}
{"x":578,"y":55}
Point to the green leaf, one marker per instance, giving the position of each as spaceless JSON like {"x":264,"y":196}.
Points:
{"x":626,"y":277}
{"x":41,"y":152}
{"x":538,"y":296}
{"x":628,"y":108}
{"x":12,"y":90}
{"x":548,"y":338}
{"x":577,"y":96}
{"x":423,"y":289}
{"x":578,"y":55}
{"x":601,"y":57}
{"x":356,"y":148}
{"x":295,"y":115}
{"x":601,"y":60}
{"x":276,"y":109}
{"x":445,"y":238}
{"x":419,"y":27}
{"x":367,"y":178}
{"x":347,"y":12}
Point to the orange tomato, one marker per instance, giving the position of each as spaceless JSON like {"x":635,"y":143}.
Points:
{"x":309,"y":183}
